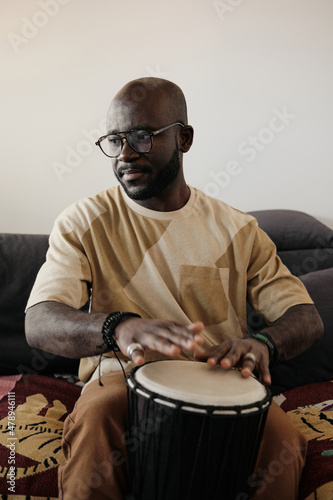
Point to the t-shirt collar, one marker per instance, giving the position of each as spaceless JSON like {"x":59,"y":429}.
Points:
{"x":155,"y":214}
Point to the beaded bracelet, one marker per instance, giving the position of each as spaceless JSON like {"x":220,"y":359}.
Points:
{"x":110,"y":324}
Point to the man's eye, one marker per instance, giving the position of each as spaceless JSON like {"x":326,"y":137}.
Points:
{"x":114,"y":140}
{"x":141,"y":135}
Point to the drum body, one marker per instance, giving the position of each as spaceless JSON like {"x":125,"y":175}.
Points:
{"x":195,"y":431}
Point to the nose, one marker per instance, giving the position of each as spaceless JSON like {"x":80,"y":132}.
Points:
{"x":127,"y":153}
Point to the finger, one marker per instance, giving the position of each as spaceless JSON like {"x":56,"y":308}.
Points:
{"x":248,"y":364}
{"x":266,"y":378}
{"x":135,"y":352}
{"x":218,"y":353}
{"x":264,"y":375}
{"x":196,"y":329}
{"x":138,"y":357}
{"x":234,"y":358}
{"x":197,"y":326}
{"x":264,"y":372}
{"x":201,"y":355}
{"x":191,"y":333}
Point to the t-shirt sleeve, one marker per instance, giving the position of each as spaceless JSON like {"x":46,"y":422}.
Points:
{"x":272,"y":289}
{"x":66,"y":275}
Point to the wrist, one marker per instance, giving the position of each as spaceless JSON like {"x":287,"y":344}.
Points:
{"x":265,"y":338}
{"x":109,"y":326}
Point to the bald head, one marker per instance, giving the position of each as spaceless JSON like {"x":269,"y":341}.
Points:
{"x":151,"y":93}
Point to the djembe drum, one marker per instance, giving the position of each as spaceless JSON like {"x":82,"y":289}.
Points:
{"x":195,"y":431}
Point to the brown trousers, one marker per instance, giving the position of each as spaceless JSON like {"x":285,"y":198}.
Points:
{"x":94,"y":445}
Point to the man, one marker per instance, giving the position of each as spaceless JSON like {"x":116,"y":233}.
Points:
{"x":185,"y":263}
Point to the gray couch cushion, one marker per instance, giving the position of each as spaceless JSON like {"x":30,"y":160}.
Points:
{"x":293,"y":230}
{"x":303,"y":243}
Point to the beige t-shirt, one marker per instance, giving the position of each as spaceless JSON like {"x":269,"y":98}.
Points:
{"x":201,"y":262}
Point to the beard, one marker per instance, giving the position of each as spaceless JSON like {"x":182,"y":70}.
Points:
{"x":157,"y":185}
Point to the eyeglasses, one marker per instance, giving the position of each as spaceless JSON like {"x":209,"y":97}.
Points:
{"x":140,"y":140}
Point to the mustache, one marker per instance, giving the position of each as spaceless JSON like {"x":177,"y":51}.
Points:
{"x":132,"y":168}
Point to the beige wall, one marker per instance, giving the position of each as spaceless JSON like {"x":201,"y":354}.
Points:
{"x":258,"y":76}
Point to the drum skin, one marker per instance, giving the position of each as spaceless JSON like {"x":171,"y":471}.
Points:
{"x":195,"y":431}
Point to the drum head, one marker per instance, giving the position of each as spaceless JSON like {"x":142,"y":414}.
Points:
{"x":198,"y":383}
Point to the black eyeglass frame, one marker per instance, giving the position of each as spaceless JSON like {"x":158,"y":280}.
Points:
{"x":125,"y":135}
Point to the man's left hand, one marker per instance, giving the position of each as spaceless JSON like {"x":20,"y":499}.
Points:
{"x":247,"y":354}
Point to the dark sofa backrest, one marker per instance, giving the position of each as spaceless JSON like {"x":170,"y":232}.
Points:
{"x":21,"y":256}
{"x":305,"y":245}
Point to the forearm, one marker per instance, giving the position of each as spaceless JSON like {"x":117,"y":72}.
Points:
{"x":63,"y":330}
{"x":60,"y":329}
{"x":296,"y":330}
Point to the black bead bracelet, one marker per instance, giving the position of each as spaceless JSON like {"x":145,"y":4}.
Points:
{"x":110,"y":324}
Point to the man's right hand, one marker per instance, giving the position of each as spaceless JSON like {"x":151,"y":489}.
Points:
{"x":159,"y":335}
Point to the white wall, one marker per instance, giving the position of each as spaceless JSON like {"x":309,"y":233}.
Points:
{"x":241,"y":64}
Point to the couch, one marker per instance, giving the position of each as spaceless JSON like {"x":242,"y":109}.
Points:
{"x":38,"y":390}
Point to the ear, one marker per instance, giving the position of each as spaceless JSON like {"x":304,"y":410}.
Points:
{"x":185,"y":138}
